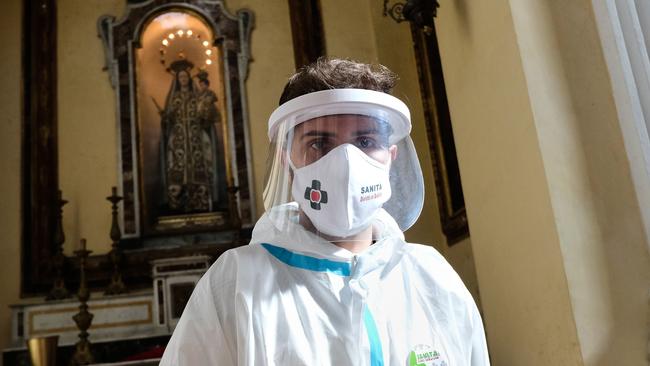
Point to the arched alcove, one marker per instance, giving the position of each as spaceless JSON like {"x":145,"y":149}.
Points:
{"x":222,"y":227}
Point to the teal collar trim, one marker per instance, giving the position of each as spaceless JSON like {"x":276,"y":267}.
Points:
{"x":306,"y":262}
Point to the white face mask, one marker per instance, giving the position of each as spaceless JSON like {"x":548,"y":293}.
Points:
{"x":342,"y":191}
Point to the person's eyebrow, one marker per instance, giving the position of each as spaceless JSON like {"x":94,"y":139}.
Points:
{"x":369,"y":131}
{"x":316,"y":133}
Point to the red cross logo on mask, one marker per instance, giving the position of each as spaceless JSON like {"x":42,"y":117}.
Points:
{"x":315,"y":195}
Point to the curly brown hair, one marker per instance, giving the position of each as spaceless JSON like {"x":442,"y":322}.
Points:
{"x":332,"y":73}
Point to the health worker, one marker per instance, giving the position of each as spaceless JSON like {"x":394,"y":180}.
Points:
{"x":328,"y":278}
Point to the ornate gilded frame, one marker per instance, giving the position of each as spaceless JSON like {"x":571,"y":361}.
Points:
{"x":451,"y":202}
{"x":232,"y":32}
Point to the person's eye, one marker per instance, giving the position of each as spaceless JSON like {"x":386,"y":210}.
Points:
{"x":317,"y":144}
{"x":365,"y":142}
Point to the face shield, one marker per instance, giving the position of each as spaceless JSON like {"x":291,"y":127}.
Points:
{"x":337,"y":158}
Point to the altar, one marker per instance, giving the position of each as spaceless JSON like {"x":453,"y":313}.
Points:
{"x":126,"y":329}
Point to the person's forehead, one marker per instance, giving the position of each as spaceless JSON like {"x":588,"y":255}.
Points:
{"x":339,"y":122}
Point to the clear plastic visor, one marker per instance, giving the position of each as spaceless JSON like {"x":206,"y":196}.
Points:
{"x":337,"y":174}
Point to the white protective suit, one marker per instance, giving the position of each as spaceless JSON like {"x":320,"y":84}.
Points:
{"x":292,"y":298}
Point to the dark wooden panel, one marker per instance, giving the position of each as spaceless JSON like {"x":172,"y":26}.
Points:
{"x":39,"y":141}
{"x":306,"y":31}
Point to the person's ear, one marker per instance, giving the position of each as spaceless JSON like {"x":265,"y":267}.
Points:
{"x":393,"y":152}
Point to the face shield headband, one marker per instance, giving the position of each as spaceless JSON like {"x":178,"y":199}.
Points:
{"x":381,"y":106}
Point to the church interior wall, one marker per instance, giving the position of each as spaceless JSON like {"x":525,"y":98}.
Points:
{"x":597,"y":215}
{"x":518,"y":260}
{"x":87,"y":126}
{"x":10,"y":162}
{"x":557,"y":238}
{"x":563,"y":283}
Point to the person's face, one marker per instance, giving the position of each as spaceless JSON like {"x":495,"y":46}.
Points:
{"x":183,"y":78}
{"x":314,"y":138}
{"x":202,"y":86}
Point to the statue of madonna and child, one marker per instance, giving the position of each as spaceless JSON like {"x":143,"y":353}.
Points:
{"x":191,"y":144}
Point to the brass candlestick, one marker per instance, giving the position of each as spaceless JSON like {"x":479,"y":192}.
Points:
{"x":82,"y":354}
{"x":117,"y":257}
{"x":59,"y":290}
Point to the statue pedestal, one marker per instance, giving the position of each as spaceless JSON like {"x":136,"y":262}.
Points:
{"x":173,"y":282}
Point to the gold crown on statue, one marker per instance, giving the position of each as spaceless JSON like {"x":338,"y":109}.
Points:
{"x":181,"y":65}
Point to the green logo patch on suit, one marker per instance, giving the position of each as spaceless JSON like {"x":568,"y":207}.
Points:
{"x":424,"y":355}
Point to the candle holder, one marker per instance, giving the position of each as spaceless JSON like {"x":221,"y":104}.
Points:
{"x":59,"y":290}
{"x":117,"y":257}
{"x":82,"y":354}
